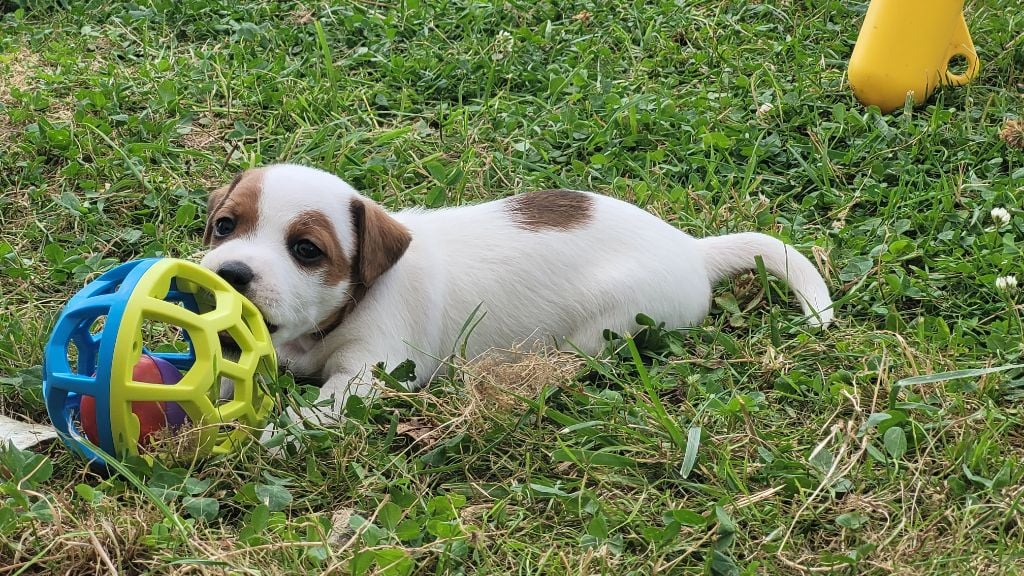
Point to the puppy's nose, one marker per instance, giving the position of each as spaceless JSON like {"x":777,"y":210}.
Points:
{"x":237,"y":273}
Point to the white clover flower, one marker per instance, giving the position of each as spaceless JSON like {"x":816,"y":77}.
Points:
{"x":1006,"y":283}
{"x":1001,"y":217}
{"x":763,"y":110}
{"x":503,"y":44}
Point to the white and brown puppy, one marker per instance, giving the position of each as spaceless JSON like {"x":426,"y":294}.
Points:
{"x":345,"y":285}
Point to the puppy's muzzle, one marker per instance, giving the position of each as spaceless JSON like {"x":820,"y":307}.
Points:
{"x":240,"y":276}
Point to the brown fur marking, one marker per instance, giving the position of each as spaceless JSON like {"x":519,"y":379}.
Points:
{"x":381,"y":241}
{"x":315,"y":226}
{"x":239,"y":200}
{"x":550,"y":210}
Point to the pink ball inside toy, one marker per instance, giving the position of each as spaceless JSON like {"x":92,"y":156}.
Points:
{"x":153,"y":416}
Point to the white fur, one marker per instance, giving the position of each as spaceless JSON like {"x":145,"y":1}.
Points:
{"x":563,"y":287}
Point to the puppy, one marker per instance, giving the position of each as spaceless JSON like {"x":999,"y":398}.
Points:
{"x":344,"y":284}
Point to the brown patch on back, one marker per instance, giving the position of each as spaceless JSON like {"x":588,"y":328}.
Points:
{"x":550,"y":210}
{"x":239,"y":200}
{"x":381,"y":241}
{"x":315,"y":226}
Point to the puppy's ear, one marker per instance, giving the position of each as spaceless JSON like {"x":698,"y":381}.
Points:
{"x":213,"y":204}
{"x":381,"y":241}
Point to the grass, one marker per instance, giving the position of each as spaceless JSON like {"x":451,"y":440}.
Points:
{"x":747,"y":446}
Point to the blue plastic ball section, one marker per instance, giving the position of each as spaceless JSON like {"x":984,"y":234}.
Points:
{"x":64,"y":384}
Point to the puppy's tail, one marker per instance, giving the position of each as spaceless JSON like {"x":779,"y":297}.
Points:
{"x":734,"y":253}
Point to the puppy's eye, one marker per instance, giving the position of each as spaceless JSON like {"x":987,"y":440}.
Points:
{"x":306,"y":252}
{"x":223,"y":226}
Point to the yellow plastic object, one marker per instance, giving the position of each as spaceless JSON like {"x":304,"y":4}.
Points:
{"x":905,"y":46}
{"x":222,"y":310}
{"x":108,"y":325}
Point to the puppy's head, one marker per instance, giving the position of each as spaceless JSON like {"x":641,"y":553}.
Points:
{"x":300,"y":243}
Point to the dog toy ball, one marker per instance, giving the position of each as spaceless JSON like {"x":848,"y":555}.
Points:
{"x":905,"y":46}
{"x":144,"y":349}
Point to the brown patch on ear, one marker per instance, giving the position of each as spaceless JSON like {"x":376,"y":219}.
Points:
{"x":550,"y":210}
{"x":380,"y":241}
{"x":315,"y":226}
{"x":239,"y":200}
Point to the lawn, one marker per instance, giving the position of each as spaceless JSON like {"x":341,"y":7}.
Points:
{"x":745,"y":446}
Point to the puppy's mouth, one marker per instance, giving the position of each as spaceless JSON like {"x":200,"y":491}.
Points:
{"x":227,"y":343}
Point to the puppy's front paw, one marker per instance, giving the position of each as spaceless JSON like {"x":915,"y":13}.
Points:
{"x":340,"y":387}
